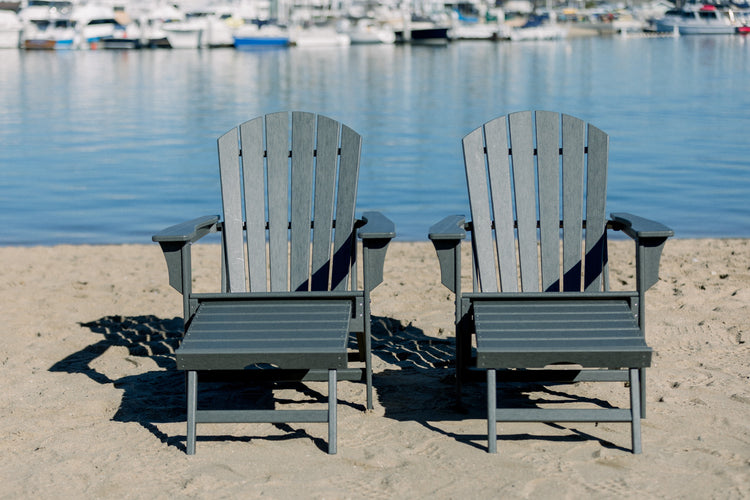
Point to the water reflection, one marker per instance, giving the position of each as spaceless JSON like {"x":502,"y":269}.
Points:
{"x":109,"y":146}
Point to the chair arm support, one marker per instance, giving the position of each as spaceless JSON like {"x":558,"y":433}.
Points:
{"x":649,"y":237}
{"x":446,"y":237}
{"x":376,"y":234}
{"x":175,"y":243}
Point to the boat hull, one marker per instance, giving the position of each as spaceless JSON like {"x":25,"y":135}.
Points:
{"x":10,"y":38}
{"x":428,"y":36}
{"x":260,"y":42}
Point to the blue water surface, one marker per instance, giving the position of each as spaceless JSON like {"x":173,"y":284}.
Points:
{"x":111,"y":146}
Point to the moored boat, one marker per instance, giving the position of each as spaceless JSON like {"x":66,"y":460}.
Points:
{"x":369,"y":31}
{"x":58,"y":34}
{"x":184,"y":34}
{"x":10,"y":29}
{"x":540,"y":27}
{"x":47,"y":25}
{"x":475,"y":31}
{"x":318,"y":37}
{"x":423,"y":32}
{"x":251,"y":36}
{"x":693,"y":20}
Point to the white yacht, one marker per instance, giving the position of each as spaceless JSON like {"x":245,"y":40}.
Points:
{"x":694,"y":20}
{"x":10,"y":29}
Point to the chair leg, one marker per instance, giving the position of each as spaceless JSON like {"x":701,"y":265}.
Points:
{"x":635,"y":409}
{"x":642,"y":375}
{"x":332,"y":400}
{"x":192,"y":407}
{"x":491,"y":412}
{"x":368,"y":365}
{"x":461,"y":362}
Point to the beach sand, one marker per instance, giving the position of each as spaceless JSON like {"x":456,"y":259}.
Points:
{"x":92,"y":407}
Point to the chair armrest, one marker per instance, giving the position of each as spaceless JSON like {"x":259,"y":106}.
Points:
{"x":189,"y":231}
{"x":376,"y":226}
{"x":649,"y":237}
{"x":638,"y":227}
{"x":446,"y":237}
{"x":376,"y":233}
{"x":450,"y":228}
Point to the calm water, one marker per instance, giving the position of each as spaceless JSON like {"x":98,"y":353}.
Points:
{"x":109,"y":147}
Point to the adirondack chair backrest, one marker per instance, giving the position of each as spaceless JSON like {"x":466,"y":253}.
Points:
{"x":277,"y":189}
{"x":535,"y":179}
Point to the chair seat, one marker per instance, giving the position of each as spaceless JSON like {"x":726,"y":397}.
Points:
{"x":235,"y":335}
{"x":536,"y":333}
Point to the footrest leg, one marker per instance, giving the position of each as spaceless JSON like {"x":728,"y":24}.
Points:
{"x":635,"y":409}
{"x":491,"y":412}
{"x":332,"y":400}
{"x":192,"y":407}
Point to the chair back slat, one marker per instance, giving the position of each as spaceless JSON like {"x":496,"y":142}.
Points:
{"x":303,"y":164}
{"x":253,"y":168}
{"x":596,"y":217}
{"x":548,"y":165}
{"x":476,"y":172}
{"x":351,"y":147}
{"x":277,"y":152}
{"x":292,"y":190}
{"x":532,"y":177}
{"x":524,"y":180}
{"x":231,"y":195}
{"x":573,"y":140}
{"x":501,"y":189}
{"x":325,"y":185}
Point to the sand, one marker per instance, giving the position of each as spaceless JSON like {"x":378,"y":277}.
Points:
{"x":92,"y":407}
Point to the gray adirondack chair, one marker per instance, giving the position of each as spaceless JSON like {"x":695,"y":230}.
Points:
{"x":290,"y":296}
{"x":537,"y":189}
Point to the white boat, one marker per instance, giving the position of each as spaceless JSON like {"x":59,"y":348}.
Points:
{"x":10,"y":29}
{"x":44,"y":10}
{"x":693,"y":20}
{"x":124,"y":37}
{"x":252,"y":36}
{"x":93,"y":22}
{"x":617,"y":22}
{"x":58,"y":34}
{"x":539,"y":28}
{"x":127,"y":33}
{"x":205,"y":28}
{"x":369,"y":31}
{"x":47,"y":25}
{"x":475,"y":31}
{"x":184,"y":34}
{"x":152,"y":22}
{"x":318,"y":37}
{"x":219,"y":24}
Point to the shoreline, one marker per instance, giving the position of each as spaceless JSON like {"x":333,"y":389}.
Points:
{"x":95,"y":409}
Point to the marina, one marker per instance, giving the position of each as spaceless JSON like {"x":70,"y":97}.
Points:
{"x":244,"y":24}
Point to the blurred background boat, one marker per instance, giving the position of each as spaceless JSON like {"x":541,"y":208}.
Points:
{"x":695,"y":19}
{"x":252,"y":36}
{"x":10,"y":29}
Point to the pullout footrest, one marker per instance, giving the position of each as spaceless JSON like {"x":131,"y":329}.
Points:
{"x":534,"y":333}
{"x":232,"y":335}
{"x":235,"y":335}
{"x":593,"y":331}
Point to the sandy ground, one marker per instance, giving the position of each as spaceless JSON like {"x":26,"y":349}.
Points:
{"x":92,"y":407}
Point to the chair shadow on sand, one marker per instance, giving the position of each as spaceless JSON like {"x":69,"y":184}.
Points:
{"x":425,"y":367}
